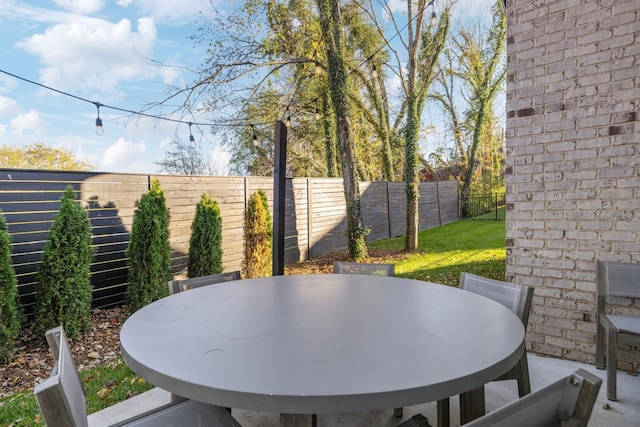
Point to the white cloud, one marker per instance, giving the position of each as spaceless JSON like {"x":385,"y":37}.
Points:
{"x":81,"y":6}
{"x":219,"y":161}
{"x":93,"y":54}
{"x":8,"y":106}
{"x":166,"y":142}
{"x":7,"y":83}
{"x":397,"y":6}
{"x":169,"y":11}
{"x":122,"y":154}
{"x":27,"y":122}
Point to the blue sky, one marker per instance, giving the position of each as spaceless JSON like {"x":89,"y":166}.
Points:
{"x":122,"y":53}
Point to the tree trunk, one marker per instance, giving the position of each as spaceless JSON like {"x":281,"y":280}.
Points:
{"x":331,"y":19}
{"x":411,"y":130}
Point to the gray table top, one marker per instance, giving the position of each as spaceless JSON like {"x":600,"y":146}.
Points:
{"x":322,"y":343}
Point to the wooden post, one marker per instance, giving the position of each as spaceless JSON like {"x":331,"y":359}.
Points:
{"x":279,"y":189}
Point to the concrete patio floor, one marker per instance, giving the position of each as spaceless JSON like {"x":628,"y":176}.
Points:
{"x":543,"y":371}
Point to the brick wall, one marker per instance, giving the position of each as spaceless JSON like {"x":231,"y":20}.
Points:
{"x":573,"y":160}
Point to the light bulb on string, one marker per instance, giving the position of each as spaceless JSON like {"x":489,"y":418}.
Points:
{"x":191,"y":138}
{"x":318,"y":69}
{"x":434,"y":17}
{"x":374,"y":71}
{"x":255,"y":137}
{"x":287,"y":122}
{"x":99,"y":127}
{"x":317,"y":110}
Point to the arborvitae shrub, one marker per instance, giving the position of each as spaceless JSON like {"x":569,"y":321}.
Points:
{"x":9,"y":306}
{"x":149,"y":251}
{"x":265,"y":205}
{"x":63,"y":293}
{"x":205,"y":245}
{"x":257,"y":237}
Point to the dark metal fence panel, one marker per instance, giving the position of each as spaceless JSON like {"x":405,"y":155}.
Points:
{"x":315,"y":218}
{"x":484,"y":206}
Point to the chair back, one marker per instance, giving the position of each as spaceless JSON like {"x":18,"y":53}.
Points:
{"x":618,"y":279}
{"x":568,"y":401}
{"x":176,"y":286}
{"x":60,"y":397}
{"x":517,"y":298}
{"x":363,"y":268}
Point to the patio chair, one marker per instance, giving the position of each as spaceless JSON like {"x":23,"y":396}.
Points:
{"x":176,"y":286}
{"x":518,"y":299}
{"x":567,"y":402}
{"x":615,"y":279}
{"x":372,"y":269}
{"x":340,"y":267}
{"x":62,"y":402}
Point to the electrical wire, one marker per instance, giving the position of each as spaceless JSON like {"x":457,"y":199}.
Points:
{"x":124,"y":110}
{"x":287,"y":113}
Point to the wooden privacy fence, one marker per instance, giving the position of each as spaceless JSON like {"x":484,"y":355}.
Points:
{"x":315,"y":217}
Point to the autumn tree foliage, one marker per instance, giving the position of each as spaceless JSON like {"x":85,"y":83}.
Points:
{"x":41,"y":156}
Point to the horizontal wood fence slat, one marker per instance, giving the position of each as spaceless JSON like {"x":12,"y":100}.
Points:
{"x":315,"y":218}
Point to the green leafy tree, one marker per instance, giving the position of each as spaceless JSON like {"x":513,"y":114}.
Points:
{"x":9,"y":305}
{"x":63,"y":292}
{"x":257,"y":237}
{"x":481,"y":66}
{"x":41,"y":156}
{"x":205,"y":245}
{"x":474,"y":65}
{"x":149,"y":251}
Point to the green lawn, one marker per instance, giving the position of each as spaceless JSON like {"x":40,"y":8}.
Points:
{"x":473,"y":246}
{"x":464,"y":246}
{"x":104,"y":385}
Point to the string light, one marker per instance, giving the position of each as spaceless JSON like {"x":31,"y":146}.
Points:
{"x":317,"y":110}
{"x":255,"y":137}
{"x":318,"y":70}
{"x":99,"y":127}
{"x":191,"y":138}
{"x":374,"y":71}
{"x":434,"y":17}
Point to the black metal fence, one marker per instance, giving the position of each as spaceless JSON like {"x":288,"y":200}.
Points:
{"x":483,"y":206}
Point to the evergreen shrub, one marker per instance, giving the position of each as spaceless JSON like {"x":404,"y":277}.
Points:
{"x":205,"y":245}
{"x":63,"y":291}
{"x":257,"y":237}
{"x":149,"y":251}
{"x":9,"y":305}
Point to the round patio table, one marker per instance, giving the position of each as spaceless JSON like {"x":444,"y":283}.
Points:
{"x":324,"y":343}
